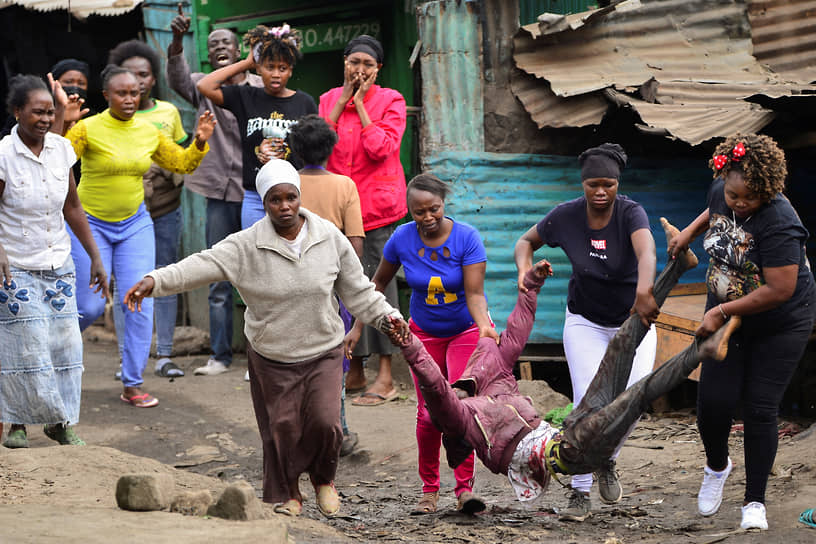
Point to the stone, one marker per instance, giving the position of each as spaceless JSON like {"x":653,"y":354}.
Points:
{"x":192,"y":503}
{"x":237,"y":502}
{"x":144,"y":492}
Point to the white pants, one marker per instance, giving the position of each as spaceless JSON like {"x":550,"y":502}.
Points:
{"x":585,"y":345}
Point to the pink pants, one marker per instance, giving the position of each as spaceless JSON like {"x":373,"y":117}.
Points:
{"x":451,"y":354}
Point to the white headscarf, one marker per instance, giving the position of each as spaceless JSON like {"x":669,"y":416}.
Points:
{"x":275,"y":172}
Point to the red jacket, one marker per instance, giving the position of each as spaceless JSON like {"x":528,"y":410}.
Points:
{"x":371,"y":155}
{"x":496,"y":417}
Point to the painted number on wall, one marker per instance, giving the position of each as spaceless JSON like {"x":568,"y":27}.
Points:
{"x":331,"y":36}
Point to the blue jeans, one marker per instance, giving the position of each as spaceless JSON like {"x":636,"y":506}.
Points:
{"x":167,"y":229}
{"x":128,"y":252}
{"x":223,"y":219}
{"x":252,"y":209}
{"x":167,"y":232}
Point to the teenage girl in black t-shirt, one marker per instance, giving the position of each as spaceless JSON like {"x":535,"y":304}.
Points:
{"x":264,"y":115}
{"x":758,"y":270}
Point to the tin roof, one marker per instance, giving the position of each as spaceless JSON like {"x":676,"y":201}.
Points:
{"x":79,"y":8}
{"x":685,"y":66}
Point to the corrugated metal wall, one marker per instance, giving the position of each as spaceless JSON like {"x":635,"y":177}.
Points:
{"x":453,"y":107}
{"x":529,"y":10}
{"x":503,"y":195}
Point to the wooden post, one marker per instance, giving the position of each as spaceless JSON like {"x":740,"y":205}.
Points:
{"x":526,"y":370}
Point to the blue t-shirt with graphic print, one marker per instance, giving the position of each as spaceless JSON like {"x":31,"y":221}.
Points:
{"x":604,"y":265}
{"x":435,"y":275}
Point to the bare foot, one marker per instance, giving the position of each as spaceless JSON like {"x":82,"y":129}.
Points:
{"x":355,"y":379}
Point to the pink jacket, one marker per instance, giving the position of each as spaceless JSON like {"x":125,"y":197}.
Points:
{"x":496,"y":416}
{"x":371,"y":155}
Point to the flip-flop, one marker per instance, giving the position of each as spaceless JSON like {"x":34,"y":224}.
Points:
{"x":381,"y":399}
{"x":140,"y":401}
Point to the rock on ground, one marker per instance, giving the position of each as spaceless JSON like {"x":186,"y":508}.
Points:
{"x":144,"y":492}
{"x":237,"y":502}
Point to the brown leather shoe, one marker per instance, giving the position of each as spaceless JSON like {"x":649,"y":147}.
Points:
{"x":470,"y":503}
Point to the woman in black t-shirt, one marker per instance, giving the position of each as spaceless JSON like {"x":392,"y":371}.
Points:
{"x":264,"y":114}
{"x":758,"y":269}
{"x":607,"y":240}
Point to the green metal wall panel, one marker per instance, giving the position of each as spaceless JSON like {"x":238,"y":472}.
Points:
{"x":529,"y":10}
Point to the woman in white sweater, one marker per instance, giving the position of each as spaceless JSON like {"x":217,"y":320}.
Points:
{"x":287,"y":270}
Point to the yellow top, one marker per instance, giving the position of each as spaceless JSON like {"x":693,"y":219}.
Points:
{"x":115,"y":155}
{"x":165,"y":117}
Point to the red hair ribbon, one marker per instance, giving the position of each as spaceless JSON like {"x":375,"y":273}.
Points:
{"x":738,"y":152}
{"x":720,"y":161}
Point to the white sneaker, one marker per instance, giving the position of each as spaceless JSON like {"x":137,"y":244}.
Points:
{"x":753,"y":516}
{"x":246,"y":376}
{"x":710,"y":496}
{"x":212,"y":368}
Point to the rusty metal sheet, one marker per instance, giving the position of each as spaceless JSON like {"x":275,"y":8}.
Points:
{"x":685,"y":66}
{"x":784,"y":37}
{"x":79,"y":8}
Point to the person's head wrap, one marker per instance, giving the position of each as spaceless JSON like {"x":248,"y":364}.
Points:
{"x":365,"y":44}
{"x":66,"y":65}
{"x":276,"y":172}
{"x":604,"y":161}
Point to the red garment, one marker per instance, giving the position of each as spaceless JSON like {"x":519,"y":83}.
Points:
{"x":371,"y":155}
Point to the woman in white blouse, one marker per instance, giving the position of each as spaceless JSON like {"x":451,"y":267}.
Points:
{"x":41,"y":355}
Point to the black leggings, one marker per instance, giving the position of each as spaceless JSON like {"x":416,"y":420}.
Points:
{"x":753,"y":376}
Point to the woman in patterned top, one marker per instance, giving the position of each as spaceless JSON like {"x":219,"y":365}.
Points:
{"x":759,"y":270}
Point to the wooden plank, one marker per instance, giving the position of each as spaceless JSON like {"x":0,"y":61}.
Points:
{"x":683,"y":289}
{"x":526,"y":370}
{"x":669,"y":344}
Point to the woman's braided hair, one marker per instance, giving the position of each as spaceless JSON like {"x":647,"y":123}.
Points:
{"x":281,"y":42}
{"x":762,"y":166}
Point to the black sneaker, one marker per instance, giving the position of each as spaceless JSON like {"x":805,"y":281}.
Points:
{"x":349,"y":443}
{"x":578,"y":508}
{"x":608,"y":483}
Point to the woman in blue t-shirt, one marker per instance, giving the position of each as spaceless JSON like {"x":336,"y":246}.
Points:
{"x":759,"y":270}
{"x":607,"y":239}
{"x":444,"y":262}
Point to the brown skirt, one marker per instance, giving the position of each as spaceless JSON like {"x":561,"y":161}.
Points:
{"x":297,"y":406}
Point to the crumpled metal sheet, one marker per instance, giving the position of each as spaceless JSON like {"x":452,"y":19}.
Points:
{"x":79,"y":8}
{"x":685,"y":66}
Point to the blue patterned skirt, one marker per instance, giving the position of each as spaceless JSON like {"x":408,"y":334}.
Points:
{"x":40,"y":348}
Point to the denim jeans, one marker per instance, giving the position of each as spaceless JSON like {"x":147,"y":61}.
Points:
{"x":252,"y":209}
{"x":223,"y":219}
{"x":167,"y":229}
{"x":128,"y":252}
{"x":167,"y":232}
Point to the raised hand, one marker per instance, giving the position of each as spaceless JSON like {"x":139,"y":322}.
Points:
{"x":543,"y":269}
{"x":365,"y":84}
{"x":205,"y":128}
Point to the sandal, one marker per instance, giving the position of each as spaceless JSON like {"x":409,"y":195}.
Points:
{"x":168,"y":369}
{"x":427,"y":504}
{"x":470,"y":503}
{"x":292,"y":508}
{"x":140,"y":401}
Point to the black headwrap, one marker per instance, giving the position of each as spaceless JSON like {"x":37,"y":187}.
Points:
{"x":66,"y":65}
{"x":365,"y":44}
{"x":604,"y":161}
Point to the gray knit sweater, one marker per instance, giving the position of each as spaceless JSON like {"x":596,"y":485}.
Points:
{"x":291,"y":313}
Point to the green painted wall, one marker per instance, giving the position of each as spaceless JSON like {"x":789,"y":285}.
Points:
{"x":529,"y":10}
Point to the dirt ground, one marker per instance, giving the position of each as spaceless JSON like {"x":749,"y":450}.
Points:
{"x":204,"y":433}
